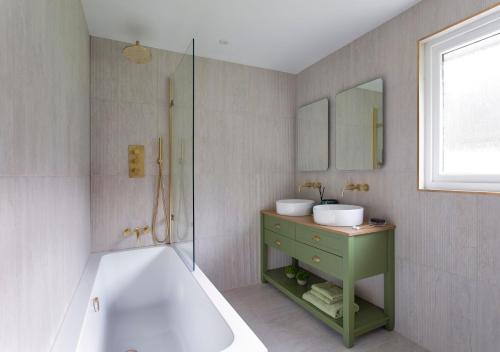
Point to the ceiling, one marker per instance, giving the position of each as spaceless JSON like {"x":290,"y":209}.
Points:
{"x":284,"y":35}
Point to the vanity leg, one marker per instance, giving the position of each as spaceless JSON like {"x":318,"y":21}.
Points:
{"x":389,"y":285}
{"x":348,"y":310}
{"x":263,"y":251}
{"x":348,"y":295}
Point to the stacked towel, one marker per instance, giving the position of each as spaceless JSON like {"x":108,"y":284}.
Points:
{"x":328,"y":298}
{"x":327,"y":292}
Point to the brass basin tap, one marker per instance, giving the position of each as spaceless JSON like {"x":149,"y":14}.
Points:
{"x":363,"y":187}
{"x":310,"y":184}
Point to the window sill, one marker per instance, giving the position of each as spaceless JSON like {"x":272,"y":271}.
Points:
{"x":458,"y":191}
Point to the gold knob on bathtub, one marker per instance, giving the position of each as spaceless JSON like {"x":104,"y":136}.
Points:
{"x":95,"y":304}
{"x":316,"y":259}
{"x":127,"y":232}
{"x":278,"y":243}
{"x":316,"y":238}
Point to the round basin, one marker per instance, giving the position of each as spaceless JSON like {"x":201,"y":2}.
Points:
{"x":294,"y":207}
{"x":338,"y":215}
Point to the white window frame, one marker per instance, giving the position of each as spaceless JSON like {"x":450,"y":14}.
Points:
{"x":430,"y":53}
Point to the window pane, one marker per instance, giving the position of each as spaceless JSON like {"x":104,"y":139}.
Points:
{"x":471,"y":109}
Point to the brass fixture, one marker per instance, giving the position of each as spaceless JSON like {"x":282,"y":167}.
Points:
{"x":316,"y":259}
{"x":171,"y":217}
{"x":138,"y":232}
{"x":135,"y":161}
{"x":310,"y":184}
{"x":377,"y":164}
{"x":160,"y":194}
{"x":362,"y":187}
{"x":95,"y":304}
{"x":137,"y":54}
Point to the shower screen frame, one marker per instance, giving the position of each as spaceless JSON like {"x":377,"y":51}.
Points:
{"x":184,"y":247}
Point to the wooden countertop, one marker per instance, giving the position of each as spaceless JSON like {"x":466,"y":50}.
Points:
{"x":347,"y":231}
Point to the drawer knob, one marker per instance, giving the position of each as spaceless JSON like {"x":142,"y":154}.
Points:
{"x":278,"y":243}
{"x":316,"y":238}
{"x":277,"y":226}
{"x":316,"y":259}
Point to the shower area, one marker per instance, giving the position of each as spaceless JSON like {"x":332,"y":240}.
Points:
{"x":173,"y":207}
{"x":141,"y":290}
{"x":142,"y":104}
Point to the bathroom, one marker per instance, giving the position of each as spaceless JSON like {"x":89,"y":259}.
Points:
{"x":144,"y":146}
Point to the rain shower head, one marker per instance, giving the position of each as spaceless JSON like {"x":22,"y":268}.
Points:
{"x":137,"y":54}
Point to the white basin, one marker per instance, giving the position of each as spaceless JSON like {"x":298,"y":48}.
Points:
{"x":338,"y":215}
{"x":294,"y":207}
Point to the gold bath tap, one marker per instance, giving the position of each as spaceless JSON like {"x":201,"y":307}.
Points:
{"x":138,"y":232}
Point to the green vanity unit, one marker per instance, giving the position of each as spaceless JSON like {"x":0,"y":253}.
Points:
{"x":342,"y":252}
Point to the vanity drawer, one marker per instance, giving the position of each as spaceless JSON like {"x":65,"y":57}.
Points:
{"x":327,"y":262}
{"x":279,"y":242}
{"x":280,"y":226}
{"x":326,"y":241}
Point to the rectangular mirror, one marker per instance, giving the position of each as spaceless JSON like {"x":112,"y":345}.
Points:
{"x":312,"y":136}
{"x":359,"y":127}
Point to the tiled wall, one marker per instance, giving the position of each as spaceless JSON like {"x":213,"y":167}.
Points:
{"x":244,"y":161}
{"x":44,"y":167}
{"x":129,"y":105}
{"x":244,"y":147}
{"x":447,"y":245}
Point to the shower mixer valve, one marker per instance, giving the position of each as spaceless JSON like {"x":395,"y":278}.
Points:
{"x":135,"y":161}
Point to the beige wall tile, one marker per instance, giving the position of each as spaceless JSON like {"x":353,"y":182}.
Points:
{"x":46,"y":245}
{"x":44,"y":167}
{"x":115,"y":126}
{"x":487,"y":317}
{"x":488,"y":239}
{"x":119,"y":202}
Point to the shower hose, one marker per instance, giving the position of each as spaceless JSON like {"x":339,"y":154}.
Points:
{"x":160,"y":193}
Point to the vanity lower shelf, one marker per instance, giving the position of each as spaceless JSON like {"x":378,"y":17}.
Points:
{"x":368,"y":318}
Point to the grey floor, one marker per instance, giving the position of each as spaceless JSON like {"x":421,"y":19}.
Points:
{"x":283,"y":326}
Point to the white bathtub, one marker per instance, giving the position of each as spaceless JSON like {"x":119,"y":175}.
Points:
{"x":150,"y":302}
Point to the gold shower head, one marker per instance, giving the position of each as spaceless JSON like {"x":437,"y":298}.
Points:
{"x":137,"y":54}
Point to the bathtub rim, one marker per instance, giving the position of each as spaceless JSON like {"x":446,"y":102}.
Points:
{"x":68,"y":335}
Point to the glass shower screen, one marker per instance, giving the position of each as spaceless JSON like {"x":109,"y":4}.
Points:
{"x":182,"y":157}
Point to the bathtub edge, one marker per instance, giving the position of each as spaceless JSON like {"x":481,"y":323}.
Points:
{"x":244,"y":337}
{"x":69,"y":331}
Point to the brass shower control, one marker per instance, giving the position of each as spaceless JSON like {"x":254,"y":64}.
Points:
{"x":135,"y":161}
